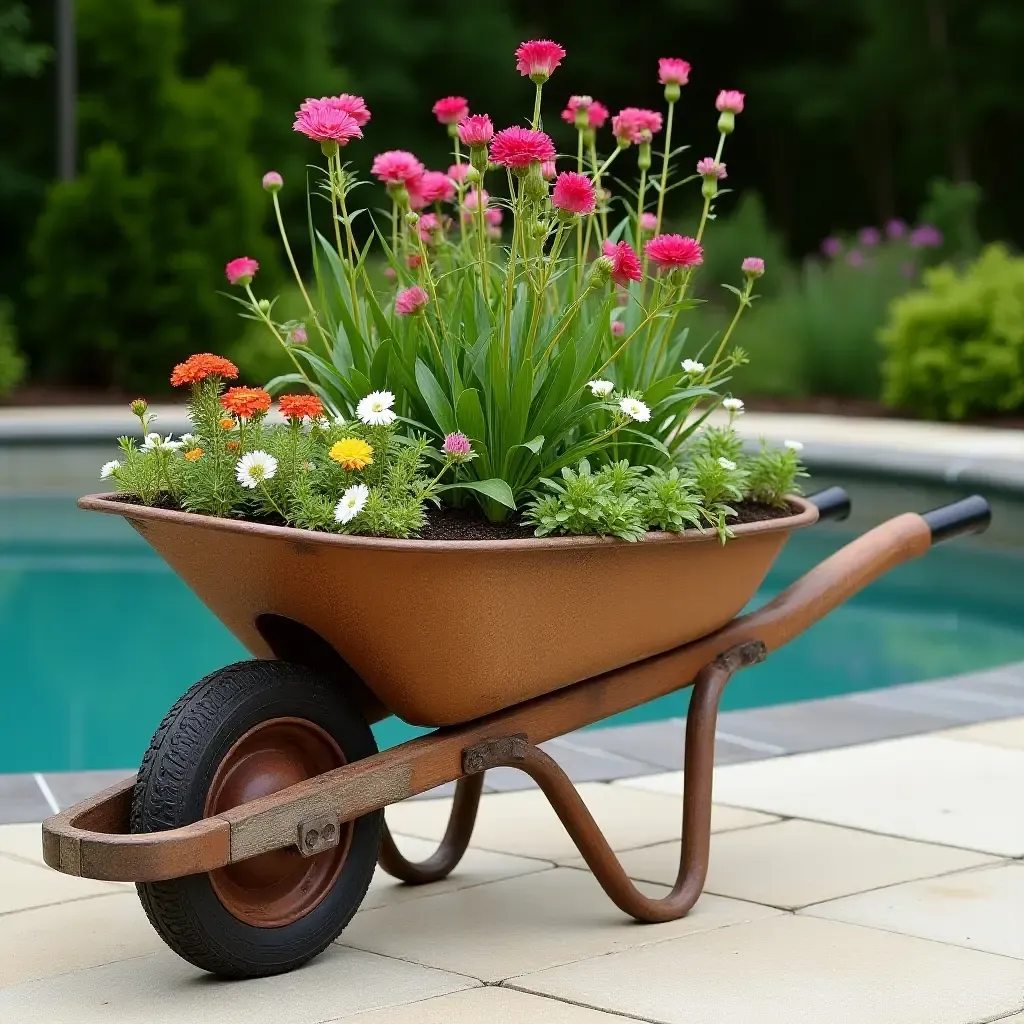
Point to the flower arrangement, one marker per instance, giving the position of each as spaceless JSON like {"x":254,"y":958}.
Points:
{"x":530,"y":340}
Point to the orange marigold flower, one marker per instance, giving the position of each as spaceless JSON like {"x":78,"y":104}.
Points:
{"x":352,"y":453}
{"x":246,"y":402}
{"x":232,"y":445}
{"x":227,"y":423}
{"x":198,"y":367}
{"x":295,"y":407}
{"x":195,"y":455}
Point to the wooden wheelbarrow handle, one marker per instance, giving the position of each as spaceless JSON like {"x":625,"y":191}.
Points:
{"x":92,"y":838}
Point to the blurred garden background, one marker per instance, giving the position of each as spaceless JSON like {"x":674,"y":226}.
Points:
{"x":874,"y":168}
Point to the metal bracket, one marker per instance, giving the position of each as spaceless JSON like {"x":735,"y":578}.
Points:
{"x":742,"y":655}
{"x":493,"y":753}
{"x":318,"y":834}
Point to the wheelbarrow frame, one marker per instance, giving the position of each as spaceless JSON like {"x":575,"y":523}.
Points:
{"x":91,"y":839}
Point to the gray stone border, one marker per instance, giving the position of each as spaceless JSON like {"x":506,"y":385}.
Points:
{"x":617,"y":752}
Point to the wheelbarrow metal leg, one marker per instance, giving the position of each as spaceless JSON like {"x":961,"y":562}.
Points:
{"x":456,"y":838}
{"x":697,"y":782}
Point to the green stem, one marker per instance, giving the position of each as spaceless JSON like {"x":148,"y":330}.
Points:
{"x":579,"y":224}
{"x":277,"y":334}
{"x":604,"y":167}
{"x":273,"y":504}
{"x":597,"y":186}
{"x":394,"y":228}
{"x":350,"y":264}
{"x":743,"y":303}
{"x":460,"y":187}
{"x":536,"y":106}
{"x":664,"y":166}
{"x":511,"y":271}
{"x":636,"y":330}
{"x":481,"y":230}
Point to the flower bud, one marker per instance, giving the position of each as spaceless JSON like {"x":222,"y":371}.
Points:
{"x":709,"y":189}
{"x":478,"y":158}
{"x":600,"y":271}
{"x":472,"y":176}
{"x":726,"y":122}
{"x":329,"y":148}
{"x":643,"y":156}
{"x":264,"y":305}
{"x":540,"y":230}
{"x":139,"y":407}
{"x":400,"y":194}
{"x":272,"y":181}
{"x":412,"y":218}
{"x":534,"y":185}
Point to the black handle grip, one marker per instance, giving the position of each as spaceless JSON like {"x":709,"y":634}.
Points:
{"x":969,"y":515}
{"x":832,"y":503}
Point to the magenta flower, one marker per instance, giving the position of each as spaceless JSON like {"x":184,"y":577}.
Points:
{"x":730,"y":100}
{"x":597,"y":112}
{"x":429,"y":227}
{"x":323,"y":123}
{"x":411,"y":301}
{"x":538,"y":59}
{"x":354,"y":106}
{"x":547,"y":170}
{"x":573,"y":193}
{"x":626,"y":265}
{"x":413,"y":260}
{"x":520,"y":147}
{"x":710,"y":168}
{"x":648,"y":222}
{"x":832,"y":247}
{"x":476,"y":130}
{"x":493,"y":216}
{"x":896,"y":228}
{"x":458,"y":172}
{"x":457,"y":446}
{"x":870,"y":236}
{"x":673,"y":71}
{"x":272,"y":181}
{"x":396,"y":167}
{"x":241,"y":271}
{"x":674,"y":251}
{"x":435,"y":187}
{"x":451,"y":109}
{"x":753,"y":265}
{"x":926,"y":236}
{"x":618,"y":328}
{"x":855,"y":258}
{"x":636,"y":124}
{"x":475,"y":199}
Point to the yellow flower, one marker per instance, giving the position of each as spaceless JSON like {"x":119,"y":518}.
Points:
{"x":195,"y":455}
{"x":352,"y":453}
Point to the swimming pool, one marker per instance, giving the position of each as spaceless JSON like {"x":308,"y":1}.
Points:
{"x":99,"y":637}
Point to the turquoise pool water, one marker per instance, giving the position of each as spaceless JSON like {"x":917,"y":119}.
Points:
{"x":98,"y":637}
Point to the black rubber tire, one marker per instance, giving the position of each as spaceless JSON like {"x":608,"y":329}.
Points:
{"x":171,"y":791}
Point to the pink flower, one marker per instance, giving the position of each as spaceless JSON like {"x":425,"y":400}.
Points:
{"x":272,"y":181}
{"x":870,"y":236}
{"x":429,"y":226}
{"x":413,"y":260}
{"x":389,"y":273}
{"x":411,"y":301}
{"x":451,"y":109}
{"x":321,"y":122}
{"x":625,"y":262}
{"x":476,"y":130}
{"x":456,"y":446}
{"x":435,"y":187}
{"x":547,"y":170}
{"x":493,"y":216}
{"x":673,"y":251}
{"x":635,"y":124}
{"x":396,"y":167}
{"x":831,"y":247}
{"x":648,"y":222}
{"x":538,"y":59}
{"x":298,"y":335}
{"x":673,"y":71}
{"x":710,"y":168}
{"x":753,"y":265}
{"x":896,"y":228}
{"x":618,"y":328}
{"x":458,"y":172}
{"x":475,"y":199}
{"x":926,"y":236}
{"x":520,"y":147}
{"x":730,"y":100}
{"x":354,"y":106}
{"x":597,"y":114}
{"x":855,"y":258}
{"x":573,"y":193}
{"x":241,"y":271}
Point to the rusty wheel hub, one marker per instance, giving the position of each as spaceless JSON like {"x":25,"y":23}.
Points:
{"x":276,"y":888}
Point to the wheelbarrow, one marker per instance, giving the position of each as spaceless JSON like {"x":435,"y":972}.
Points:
{"x":257,"y":817}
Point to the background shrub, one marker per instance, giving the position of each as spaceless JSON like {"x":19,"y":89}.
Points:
{"x":12,"y":365}
{"x":955,"y":348}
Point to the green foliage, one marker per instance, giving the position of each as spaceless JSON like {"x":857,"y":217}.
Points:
{"x":126,"y":256}
{"x":19,"y":57}
{"x":955,"y":348}
{"x":773,"y":472}
{"x":952,"y":207}
{"x":717,"y":480}
{"x":12,"y":365}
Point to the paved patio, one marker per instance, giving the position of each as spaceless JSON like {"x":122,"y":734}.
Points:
{"x":882,"y":882}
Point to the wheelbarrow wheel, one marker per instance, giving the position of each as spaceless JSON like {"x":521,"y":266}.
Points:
{"x":243,"y":732}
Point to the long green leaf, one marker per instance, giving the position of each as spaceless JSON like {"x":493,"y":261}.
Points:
{"x":436,"y":400}
{"x":493,"y":488}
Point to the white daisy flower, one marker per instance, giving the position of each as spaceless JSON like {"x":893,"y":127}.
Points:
{"x":692,"y":366}
{"x":351,"y":504}
{"x":794,"y":446}
{"x":635,"y":409}
{"x":727,"y":463}
{"x":109,"y":468}
{"x":188,"y":439}
{"x":734,"y":405}
{"x":155,"y":441}
{"x":254,"y":468}
{"x":375,"y":409}
{"x":601,"y":388}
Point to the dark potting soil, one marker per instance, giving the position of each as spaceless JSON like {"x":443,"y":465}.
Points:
{"x":468,"y":524}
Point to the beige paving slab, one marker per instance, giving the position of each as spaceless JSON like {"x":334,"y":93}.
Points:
{"x":793,"y":970}
{"x":525,"y":924}
{"x":982,"y":909}
{"x":66,"y":937}
{"x":477,"y":867}
{"x":923,"y":787}
{"x":523,"y":822}
{"x":163,"y":989}
{"x":22,"y":840}
{"x":493,"y":1004}
{"x":1009,"y":732}
{"x":24,"y":885}
{"x":794,"y":863}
